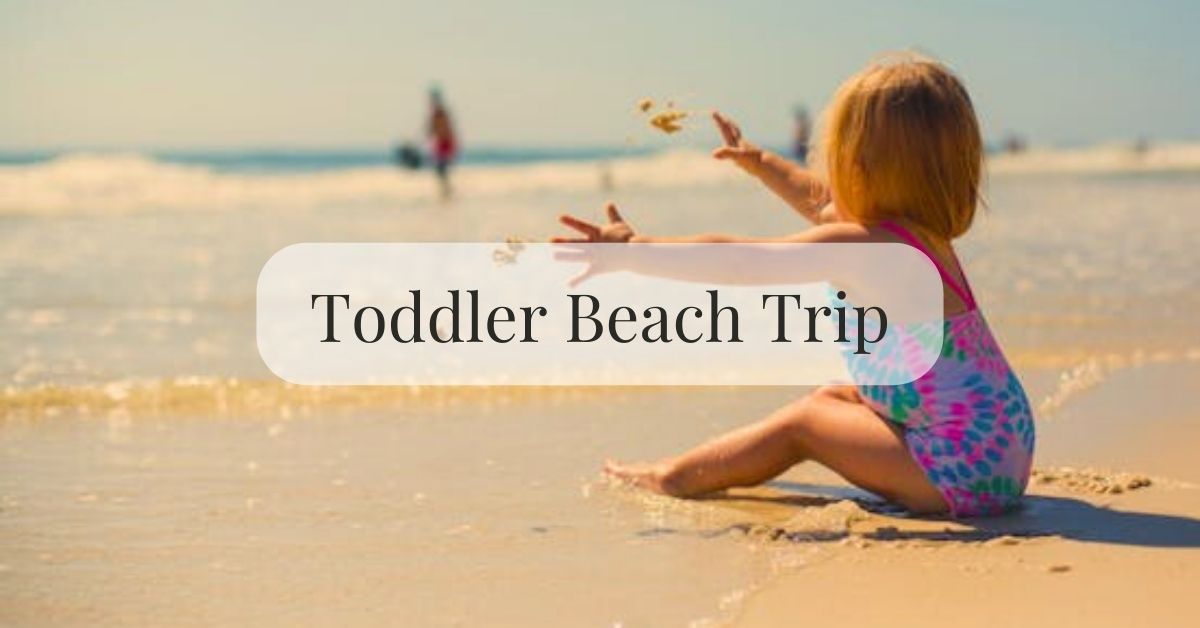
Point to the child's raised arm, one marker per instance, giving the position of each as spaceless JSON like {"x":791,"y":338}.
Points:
{"x":796,"y":185}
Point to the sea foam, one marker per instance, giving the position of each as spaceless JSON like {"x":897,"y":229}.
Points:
{"x":127,"y":182}
{"x":112,"y":183}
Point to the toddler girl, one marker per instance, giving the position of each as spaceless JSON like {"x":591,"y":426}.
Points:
{"x":904,"y":160}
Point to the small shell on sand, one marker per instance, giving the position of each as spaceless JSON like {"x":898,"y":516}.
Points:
{"x":645,"y":105}
{"x":668,"y":121}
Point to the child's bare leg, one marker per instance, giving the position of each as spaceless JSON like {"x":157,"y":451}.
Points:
{"x":831,"y":426}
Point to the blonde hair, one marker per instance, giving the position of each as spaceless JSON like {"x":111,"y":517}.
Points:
{"x":901,"y":142}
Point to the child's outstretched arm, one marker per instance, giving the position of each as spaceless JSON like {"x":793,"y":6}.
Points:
{"x":617,"y":230}
{"x":797,"y":186}
{"x":736,"y":265}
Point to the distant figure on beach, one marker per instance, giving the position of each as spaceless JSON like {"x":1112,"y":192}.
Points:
{"x":443,"y":144}
{"x":959,"y":439}
{"x":1141,"y":146}
{"x":1014,"y":144}
{"x":606,"y":177}
{"x":802,"y":135}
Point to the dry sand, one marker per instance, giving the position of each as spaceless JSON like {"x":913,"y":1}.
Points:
{"x":1072,"y":557}
{"x":1092,"y":547}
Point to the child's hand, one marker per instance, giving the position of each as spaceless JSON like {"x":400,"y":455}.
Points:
{"x":747,"y":156}
{"x":617,"y":230}
{"x":598,"y":259}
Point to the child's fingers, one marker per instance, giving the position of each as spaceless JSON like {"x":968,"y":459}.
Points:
{"x":723,"y":125}
{"x":731,"y":131}
{"x":582,"y":226}
{"x":613,"y":214}
{"x":572,"y":254}
{"x":728,"y":152}
{"x":580,"y":278}
{"x":735,"y":132}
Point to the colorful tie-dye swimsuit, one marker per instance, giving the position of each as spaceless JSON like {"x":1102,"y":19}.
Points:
{"x":967,"y":421}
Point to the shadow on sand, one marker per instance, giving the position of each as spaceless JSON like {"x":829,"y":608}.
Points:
{"x":1041,"y":516}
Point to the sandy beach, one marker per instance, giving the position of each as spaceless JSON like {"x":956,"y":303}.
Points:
{"x":380,"y":313}
{"x":325,"y":511}
{"x":1106,"y":561}
{"x":1093,"y":546}
{"x":153,"y":472}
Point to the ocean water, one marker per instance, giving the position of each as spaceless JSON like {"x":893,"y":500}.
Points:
{"x":276,"y":160}
{"x":153,"y":471}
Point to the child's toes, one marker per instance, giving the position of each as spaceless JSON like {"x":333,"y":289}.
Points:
{"x":623,"y":472}
{"x":613,"y":470}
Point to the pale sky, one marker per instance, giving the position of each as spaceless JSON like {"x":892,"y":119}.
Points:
{"x":152,"y":74}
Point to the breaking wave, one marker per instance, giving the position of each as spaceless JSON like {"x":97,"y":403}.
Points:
{"x":113,"y":183}
{"x":128,"y":182}
{"x":1104,"y":159}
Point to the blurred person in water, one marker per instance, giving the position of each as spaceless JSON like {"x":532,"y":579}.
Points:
{"x":443,"y":143}
{"x":801,"y":135}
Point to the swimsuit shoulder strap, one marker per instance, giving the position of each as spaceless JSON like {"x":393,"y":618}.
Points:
{"x":963,"y":290}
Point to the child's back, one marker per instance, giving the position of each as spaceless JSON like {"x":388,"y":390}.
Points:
{"x":967,"y":420}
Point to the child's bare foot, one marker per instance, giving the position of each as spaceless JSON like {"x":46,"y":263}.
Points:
{"x":649,"y":476}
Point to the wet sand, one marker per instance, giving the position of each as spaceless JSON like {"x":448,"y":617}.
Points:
{"x":416,"y":508}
